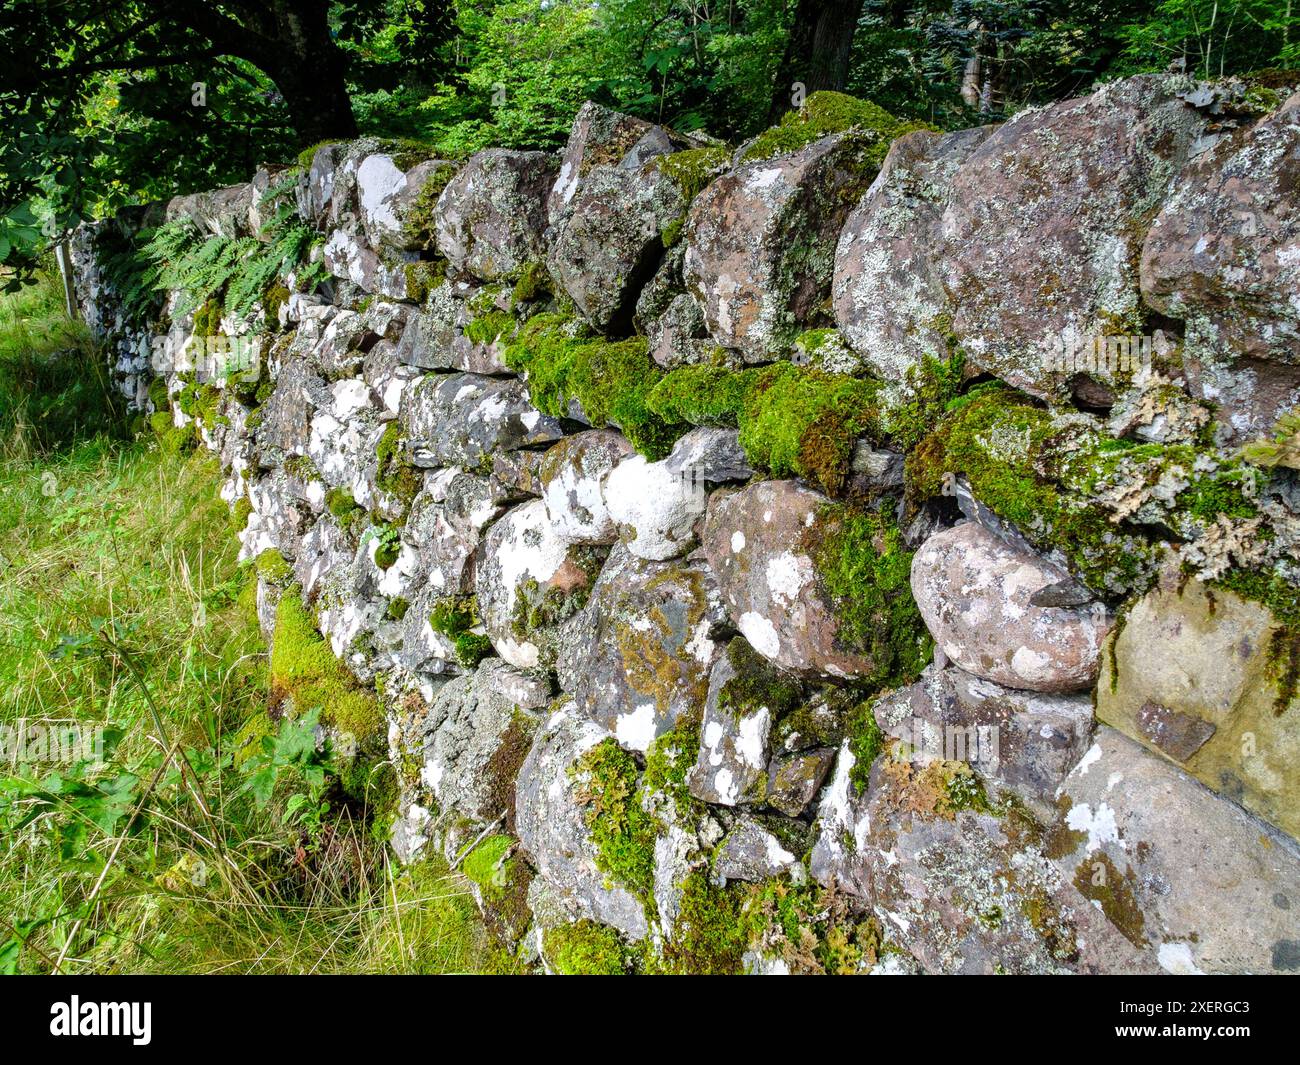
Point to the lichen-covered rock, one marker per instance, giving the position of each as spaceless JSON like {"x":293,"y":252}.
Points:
{"x":709,"y":455}
{"x":350,"y":257}
{"x":551,"y":818}
{"x":794,"y":779}
{"x":1193,"y":674}
{"x":441,"y":336}
{"x":654,"y":507}
{"x":610,"y":235}
{"x":491,"y":217}
{"x":571,"y":478}
{"x":751,"y":852}
{"x":962,"y":885}
{"x":446,"y":525}
{"x":888,"y":291}
{"x":599,"y":137}
{"x":638,"y":658}
{"x":528,"y":581}
{"x":474,"y":738}
{"x":976,"y":593}
{"x":1027,"y":742}
{"x":735,"y":745}
{"x":763,"y":542}
{"x":1199,"y":884}
{"x":1221,"y":256}
{"x":760,"y":242}
{"x":462,"y":419}
{"x":300,"y":390}
{"x":389,"y":199}
{"x":1046,"y":220}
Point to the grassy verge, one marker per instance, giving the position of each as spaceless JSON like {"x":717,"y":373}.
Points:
{"x":183,"y":846}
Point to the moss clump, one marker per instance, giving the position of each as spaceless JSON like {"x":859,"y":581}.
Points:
{"x":1115,"y":892}
{"x":275,"y":297}
{"x":419,"y":230}
{"x":455,"y":618}
{"x":708,"y":395}
{"x":609,"y":379}
{"x":813,"y":929}
{"x":806,"y":421}
{"x":397,"y":608}
{"x":533,"y":283}
{"x":422,"y":277}
{"x":490,"y":327}
{"x":172,"y":439}
{"x":667,"y":763}
{"x":302,"y":467}
{"x":709,"y":935}
{"x":397,"y":475}
{"x":340,"y":503}
{"x":757,"y":684}
{"x":865,"y":568}
{"x":621,"y":831}
{"x":866,"y":742}
{"x":792,"y":419}
{"x":388,"y":547}
{"x":272,"y":567}
{"x":691,"y":171}
{"x":305,"y":672}
{"x":586,"y":948}
{"x":239,"y":514}
{"x":502,"y":881}
{"x":824,"y":113}
{"x":997,"y":440}
{"x":158,"y":394}
{"x":923,"y":400}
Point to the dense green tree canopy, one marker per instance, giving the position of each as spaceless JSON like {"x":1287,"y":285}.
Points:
{"x":106,"y":102}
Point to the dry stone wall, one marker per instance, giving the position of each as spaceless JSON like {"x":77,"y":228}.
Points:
{"x":832,"y":555}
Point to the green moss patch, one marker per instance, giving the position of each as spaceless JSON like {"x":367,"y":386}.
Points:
{"x":865,"y":568}
{"x":621,"y":831}
{"x":587,"y":949}
{"x":824,"y":113}
{"x":609,"y":379}
{"x":455,"y":617}
{"x":304,"y":670}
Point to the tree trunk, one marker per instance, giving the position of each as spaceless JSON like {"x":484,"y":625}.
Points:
{"x":290,"y":42}
{"x":817,"y":51}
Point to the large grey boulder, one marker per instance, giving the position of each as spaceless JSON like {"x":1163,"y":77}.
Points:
{"x":551,"y":818}
{"x":977,"y":595}
{"x":463,"y":419}
{"x":614,"y":200}
{"x":491,"y":217}
{"x":1026,"y":742}
{"x":760,"y":242}
{"x":889,"y":299}
{"x":1221,"y":255}
{"x":637,"y":659}
{"x":962,"y":885}
{"x":1196,"y":882}
{"x":1046,"y":222}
